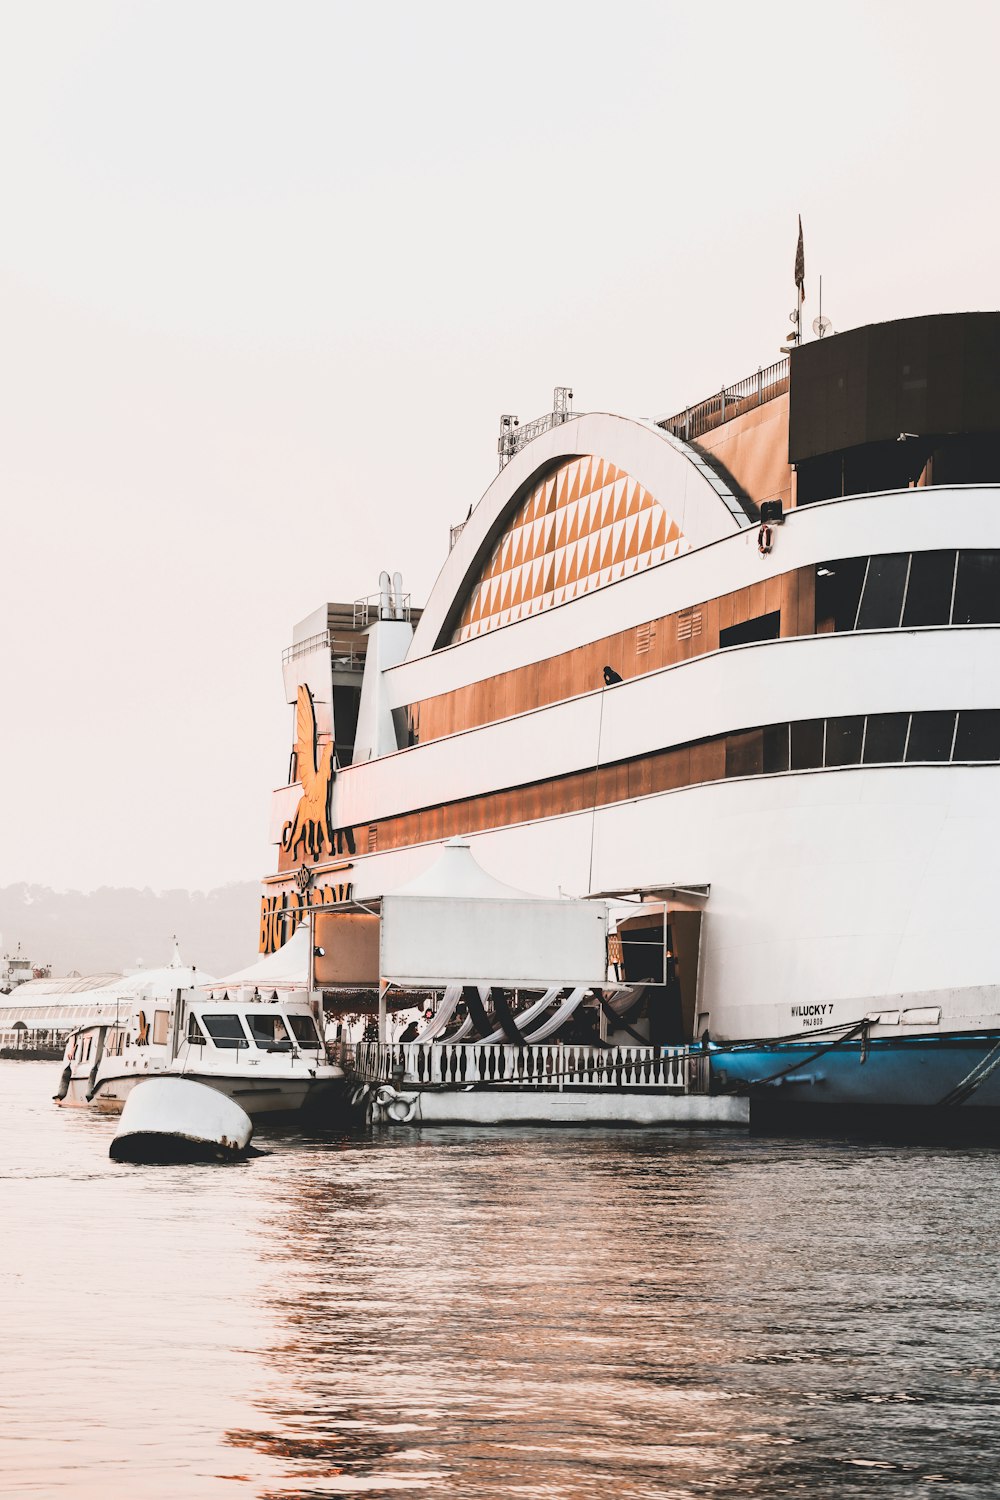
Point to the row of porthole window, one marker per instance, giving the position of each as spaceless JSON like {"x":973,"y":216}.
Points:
{"x":866,"y":739}
{"x":908,"y":589}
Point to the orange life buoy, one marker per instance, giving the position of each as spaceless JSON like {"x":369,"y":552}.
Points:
{"x":765,"y":539}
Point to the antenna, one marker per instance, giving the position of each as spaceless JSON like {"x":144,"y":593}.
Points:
{"x":821,"y":326}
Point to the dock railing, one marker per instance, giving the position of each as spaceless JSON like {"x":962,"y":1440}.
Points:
{"x":546,"y":1065}
{"x":32,"y":1042}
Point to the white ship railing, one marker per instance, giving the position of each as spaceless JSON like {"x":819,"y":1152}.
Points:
{"x":731,"y":401}
{"x":349,"y":654}
{"x":546,"y":1065}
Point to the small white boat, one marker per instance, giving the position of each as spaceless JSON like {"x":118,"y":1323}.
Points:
{"x":174,"y":1119}
{"x":266,"y":1055}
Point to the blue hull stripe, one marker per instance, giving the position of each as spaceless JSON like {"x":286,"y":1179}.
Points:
{"x":958,"y":1070}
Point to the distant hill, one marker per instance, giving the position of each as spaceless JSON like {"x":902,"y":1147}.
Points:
{"x":112,"y":930}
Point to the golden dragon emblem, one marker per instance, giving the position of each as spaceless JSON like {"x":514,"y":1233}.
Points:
{"x":310,"y":826}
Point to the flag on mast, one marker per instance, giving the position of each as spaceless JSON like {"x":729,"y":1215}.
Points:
{"x":800,"y":266}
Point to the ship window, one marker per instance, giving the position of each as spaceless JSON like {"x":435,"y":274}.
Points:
{"x":843,"y":740}
{"x":930,"y":736}
{"x":161,"y":1021}
{"x":268,"y":1030}
{"x":977,"y":589}
{"x":882,"y":600}
{"x":838,"y":593}
{"x":305,"y":1030}
{"x":928,"y":592}
{"x":762,"y":628}
{"x":225,"y":1031}
{"x":978,"y":736}
{"x":775,"y":747}
{"x":745,"y":753}
{"x":807,"y":744}
{"x":195,"y":1035}
{"x":885,"y":739}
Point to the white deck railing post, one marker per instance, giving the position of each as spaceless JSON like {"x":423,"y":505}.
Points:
{"x":542,"y":1065}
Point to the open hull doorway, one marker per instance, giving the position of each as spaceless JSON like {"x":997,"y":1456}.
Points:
{"x":659,"y":949}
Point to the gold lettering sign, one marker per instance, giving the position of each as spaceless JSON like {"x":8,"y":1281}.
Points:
{"x":310,"y":826}
{"x":280,"y":915}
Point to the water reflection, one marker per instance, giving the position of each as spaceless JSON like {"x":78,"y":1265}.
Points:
{"x":466,"y":1314}
{"x":579,"y":1314}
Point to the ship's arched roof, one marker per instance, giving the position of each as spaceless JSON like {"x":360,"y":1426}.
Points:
{"x":637,"y":496}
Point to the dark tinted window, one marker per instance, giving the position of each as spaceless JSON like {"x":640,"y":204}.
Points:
{"x":807,"y":744}
{"x":885,"y":738}
{"x":977,"y":589}
{"x":345,"y":720}
{"x":763,"y":628}
{"x":882,"y":600}
{"x":225,"y":1031}
{"x":843,"y":740}
{"x":928,"y":592}
{"x":305,"y":1031}
{"x":775,"y":747}
{"x":978,"y":736}
{"x":930,"y":736}
{"x":838,"y":592}
{"x":745,"y":753}
{"x":268,"y":1029}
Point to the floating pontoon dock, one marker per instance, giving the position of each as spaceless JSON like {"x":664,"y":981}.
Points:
{"x":442,"y":1083}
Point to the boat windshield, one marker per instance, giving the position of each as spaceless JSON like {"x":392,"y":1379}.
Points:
{"x":225,"y":1031}
{"x":304,"y":1029}
{"x":269,"y":1031}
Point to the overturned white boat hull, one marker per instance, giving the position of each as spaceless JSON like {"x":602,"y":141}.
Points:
{"x":176,"y":1119}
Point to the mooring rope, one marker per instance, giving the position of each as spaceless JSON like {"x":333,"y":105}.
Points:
{"x":976,"y":1076}
{"x":803,"y":1062}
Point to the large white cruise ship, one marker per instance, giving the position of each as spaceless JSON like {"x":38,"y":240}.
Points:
{"x":744,"y":660}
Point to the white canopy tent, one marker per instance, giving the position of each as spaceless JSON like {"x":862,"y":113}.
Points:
{"x":456,"y":923}
{"x":276,"y":973}
{"x":452,"y":925}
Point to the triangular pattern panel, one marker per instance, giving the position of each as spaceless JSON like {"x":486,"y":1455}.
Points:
{"x":584,"y":526}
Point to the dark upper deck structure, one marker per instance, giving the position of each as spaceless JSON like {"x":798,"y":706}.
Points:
{"x":915,"y":401}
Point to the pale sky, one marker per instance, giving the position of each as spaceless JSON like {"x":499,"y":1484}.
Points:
{"x":270,"y":273}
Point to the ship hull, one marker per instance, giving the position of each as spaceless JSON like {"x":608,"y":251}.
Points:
{"x":260,"y":1097}
{"x":942,"y":1074}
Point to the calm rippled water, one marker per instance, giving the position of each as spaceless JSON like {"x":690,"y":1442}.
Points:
{"x":477,"y":1314}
